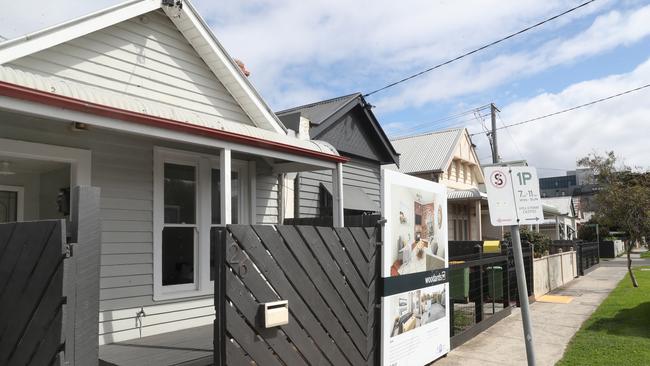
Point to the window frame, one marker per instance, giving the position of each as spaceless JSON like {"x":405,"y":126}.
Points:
{"x":203,"y":164}
{"x":20,"y":200}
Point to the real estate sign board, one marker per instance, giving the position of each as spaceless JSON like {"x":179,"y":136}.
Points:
{"x":513,"y":195}
{"x":415,"y":302}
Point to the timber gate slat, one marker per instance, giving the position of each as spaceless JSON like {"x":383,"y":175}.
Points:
{"x":236,"y":356}
{"x":31,"y":293}
{"x":353,"y":250}
{"x":328,"y":277}
{"x":335,"y":289}
{"x":343,"y":260}
{"x":254,"y":346}
{"x":246,"y":304}
{"x":298,"y":336}
{"x":246,"y":237}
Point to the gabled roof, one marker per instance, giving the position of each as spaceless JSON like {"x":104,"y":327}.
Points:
{"x":318,"y":112}
{"x":325,"y":114}
{"x":429,"y":152}
{"x":188,"y":22}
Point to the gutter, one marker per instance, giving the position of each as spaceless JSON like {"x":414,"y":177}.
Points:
{"x":37,"y":96}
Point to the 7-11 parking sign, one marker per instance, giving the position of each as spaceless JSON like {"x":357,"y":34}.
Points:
{"x":513,"y":196}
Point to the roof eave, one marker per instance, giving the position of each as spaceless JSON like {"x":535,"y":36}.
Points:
{"x":54,"y":100}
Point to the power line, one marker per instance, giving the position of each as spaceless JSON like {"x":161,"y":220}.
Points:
{"x":572,"y":108}
{"x":442,"y":122}
{"x":478,"y":49}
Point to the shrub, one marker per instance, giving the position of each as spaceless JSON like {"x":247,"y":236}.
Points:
{"x":541,"y":243}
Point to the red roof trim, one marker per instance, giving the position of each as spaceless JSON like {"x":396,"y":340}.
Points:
{"x":33,"y":95}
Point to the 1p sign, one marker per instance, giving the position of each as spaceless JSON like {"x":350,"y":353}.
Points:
{"x":513,"y":196}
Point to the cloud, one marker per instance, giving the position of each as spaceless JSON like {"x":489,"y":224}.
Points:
{"x":621,"y":124}
{"x":364,"y":44}
{"x":607,"y":32}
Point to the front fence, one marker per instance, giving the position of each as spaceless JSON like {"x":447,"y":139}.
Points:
{"x":49,"y":288}
{"x":32,"y":292}
{"x":479,"y":295}
{"x":588,"y":257}
{"x":329,"y":277}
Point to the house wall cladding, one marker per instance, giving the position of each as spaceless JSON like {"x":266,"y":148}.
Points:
{"x":145,"y":57}
{"x":122,"y":166}
{"x":356,"y":173}
{"x":329,"y":277}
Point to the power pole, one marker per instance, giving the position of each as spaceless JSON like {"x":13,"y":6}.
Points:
{"x":518,"y":257}
{"x":495,"y":149}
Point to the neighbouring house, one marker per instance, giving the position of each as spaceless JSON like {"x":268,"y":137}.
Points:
{"x":142,"y":101}
{"x":449,"y":157}
{"x":348,"y":124}
{"x":563,"y":224}
{"x":578,"y":184}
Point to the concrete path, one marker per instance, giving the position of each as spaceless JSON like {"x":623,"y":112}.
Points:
{"x":553,"y":324}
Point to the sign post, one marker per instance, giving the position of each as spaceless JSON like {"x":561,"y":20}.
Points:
{"x":514,"y":199}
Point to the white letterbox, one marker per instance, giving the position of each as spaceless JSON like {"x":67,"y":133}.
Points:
{"x":276,"y":313}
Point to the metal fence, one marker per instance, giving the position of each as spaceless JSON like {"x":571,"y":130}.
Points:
{"x":479,"y":292}
{"x":588,"y":255}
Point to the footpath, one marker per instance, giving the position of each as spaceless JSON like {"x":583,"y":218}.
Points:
{"x":553,"y":324}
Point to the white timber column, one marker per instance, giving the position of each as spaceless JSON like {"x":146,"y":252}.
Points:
{"x":478,"y":220}
{"x":225,"y":168}
{"x":557,"y":227}
{"x":337,"y":199}
{"x":252,"y":191}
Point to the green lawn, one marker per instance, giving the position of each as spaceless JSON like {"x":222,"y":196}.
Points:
{"x":618,"y":333}
{"x":645,"y":254}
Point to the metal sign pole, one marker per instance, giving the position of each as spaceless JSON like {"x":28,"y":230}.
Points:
{"x":523,"y":293}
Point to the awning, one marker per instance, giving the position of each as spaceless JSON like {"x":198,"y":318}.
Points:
{"x":466,"y":195}
{"x":354,"y":198}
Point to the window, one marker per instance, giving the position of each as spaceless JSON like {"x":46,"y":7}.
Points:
{"x":11,"y":204}
{"x":179,"y":225}
{"x":187,"y":209}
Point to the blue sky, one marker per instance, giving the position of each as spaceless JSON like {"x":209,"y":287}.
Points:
{"x":304,"y":51}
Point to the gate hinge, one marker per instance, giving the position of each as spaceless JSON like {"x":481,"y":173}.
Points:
{"x":69,"y":250}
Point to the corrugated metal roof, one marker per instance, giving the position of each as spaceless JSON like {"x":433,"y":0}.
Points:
{"x":428,"y":152}
{"x":465,"y":194}
{"x":562,"y":204}
{"x":89,"y":93}
{"x":318,"y":112}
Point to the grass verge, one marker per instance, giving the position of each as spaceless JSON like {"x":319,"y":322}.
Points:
{"x":618,"y":332}
{"x":645,"y":254}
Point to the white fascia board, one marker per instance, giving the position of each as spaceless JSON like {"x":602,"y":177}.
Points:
{"x":53,"y":36}
{"x":189,"y":13}
{"x":66,"y":115}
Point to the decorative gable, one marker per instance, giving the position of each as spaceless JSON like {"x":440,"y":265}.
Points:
{"x":146,"y":58}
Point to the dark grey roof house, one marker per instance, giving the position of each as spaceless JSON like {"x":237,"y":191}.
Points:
{"x":349,"y":125}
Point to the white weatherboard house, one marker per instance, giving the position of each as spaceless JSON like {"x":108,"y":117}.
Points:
{"x":143,"y":102}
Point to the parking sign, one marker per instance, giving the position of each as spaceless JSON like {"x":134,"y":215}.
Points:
{"x":513,"y":196}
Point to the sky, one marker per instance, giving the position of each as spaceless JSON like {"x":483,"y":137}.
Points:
{"x":304,"y":51}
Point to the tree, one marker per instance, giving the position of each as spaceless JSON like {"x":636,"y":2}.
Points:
{"x":623,"y":201}
{"x":587,"y":232}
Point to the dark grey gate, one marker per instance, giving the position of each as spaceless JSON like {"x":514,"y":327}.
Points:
{"x":329,"y":277}
{"x":49,"y":298}
{"x":31,"y":292}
